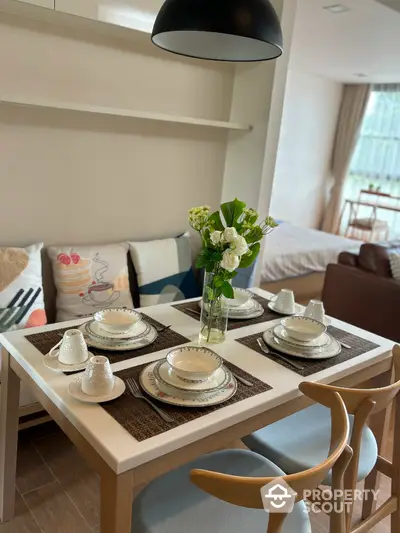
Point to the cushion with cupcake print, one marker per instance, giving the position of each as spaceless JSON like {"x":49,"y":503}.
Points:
{"x":89,"y":278}
{"x":21,"y":290}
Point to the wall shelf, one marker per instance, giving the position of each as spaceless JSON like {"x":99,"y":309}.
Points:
{"x":127,"y":113}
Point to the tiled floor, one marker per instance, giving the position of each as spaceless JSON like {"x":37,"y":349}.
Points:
{"x":58,"y":493}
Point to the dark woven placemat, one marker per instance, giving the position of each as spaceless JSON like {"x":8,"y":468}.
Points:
{"x":358,"y":347}
{"x":167,"y":339}
{"x":192,"y":309}
{"x":142,"y":422}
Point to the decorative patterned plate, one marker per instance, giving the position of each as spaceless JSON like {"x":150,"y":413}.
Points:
{"x":166,"y":376}
{"x":251,"y":309}
{"x":75,"y":390}
{"x":94,"y":329}
{"x":326,"y":352}
{"x":53,"y":363}
{"x":113,"y":346}
{"x":151,"y":386}
{"x":281,"y":333}
{"x":298,"y":309}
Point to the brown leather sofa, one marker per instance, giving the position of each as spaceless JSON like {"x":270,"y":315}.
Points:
{"x":360,"y":290}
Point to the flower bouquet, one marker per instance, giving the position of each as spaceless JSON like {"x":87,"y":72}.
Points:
{"x":231,"y":240}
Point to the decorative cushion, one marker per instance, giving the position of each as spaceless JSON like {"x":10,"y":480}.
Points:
{"x":395,"y":265}
{"x":172,"y":504}
{"x":89,"y":278}
{"x":21,"y":290}
{"x":164,"y":270}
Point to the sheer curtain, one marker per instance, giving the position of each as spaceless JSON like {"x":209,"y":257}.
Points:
{"x":352,"y":110}
{"x":376,"y":159}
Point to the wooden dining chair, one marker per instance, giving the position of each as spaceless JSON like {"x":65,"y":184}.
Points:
{"x":297,"y":441}
{"x":222,"y":491}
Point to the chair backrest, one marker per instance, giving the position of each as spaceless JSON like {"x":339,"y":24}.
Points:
{"x":360,"y":403}
{"x":245,"y":492}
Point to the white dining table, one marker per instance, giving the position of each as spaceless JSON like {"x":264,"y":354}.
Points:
{"x":126,"y":465}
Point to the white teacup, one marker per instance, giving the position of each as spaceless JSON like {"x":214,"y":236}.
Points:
{"x":72,"y":348}
{"x":315,"y":309}
{"x":98,"y":379}
{"x":284,"y":301}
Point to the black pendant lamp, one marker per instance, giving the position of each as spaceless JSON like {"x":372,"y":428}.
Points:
{"x":219,"y":30}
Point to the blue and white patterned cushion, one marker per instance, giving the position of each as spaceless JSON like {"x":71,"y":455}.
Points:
{"x":164,"y":270}
{"x":395,"y":265}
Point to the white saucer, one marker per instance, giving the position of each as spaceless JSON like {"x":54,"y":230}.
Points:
{"x":281,"y":333}
{"x":54,"y":364}
{"x":166,"y":376}
{"x":172,"y":396}
{"x":75,"y":390}
{"x":326,"y":352}
{"x":141,"y":329}
{"x":298,"y":309}
{"x":120,"y":346}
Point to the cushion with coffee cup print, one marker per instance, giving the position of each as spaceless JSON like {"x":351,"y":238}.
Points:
{"x":164,"y":270}
{"x":21,"y":291}
{"x":89,"y":278}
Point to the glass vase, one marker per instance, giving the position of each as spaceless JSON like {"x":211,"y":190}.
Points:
{"x":214,"y":318}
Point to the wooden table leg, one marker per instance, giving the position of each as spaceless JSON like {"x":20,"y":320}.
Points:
{"x":10,"y":384}
{"x":116,"y":502}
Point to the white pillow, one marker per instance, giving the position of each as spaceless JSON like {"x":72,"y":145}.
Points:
{"x":164,"y":270}
{"x":89,"y":278}
{"x":395,"y":265}
{"x":21,"y":291}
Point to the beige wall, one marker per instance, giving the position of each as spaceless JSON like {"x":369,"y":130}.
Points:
{"x":73,"y":178}
{"x":308,"y":127}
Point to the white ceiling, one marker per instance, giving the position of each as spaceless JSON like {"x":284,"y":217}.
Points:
{"x":364,"y":40}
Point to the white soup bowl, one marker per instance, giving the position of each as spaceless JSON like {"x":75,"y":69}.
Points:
{"x":303,"y":328}
{"x":242,"y":296}
{"x":194,"y":363}
{"x":117,"y":320}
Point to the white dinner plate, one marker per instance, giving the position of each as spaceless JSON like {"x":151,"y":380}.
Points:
{"x":111,"y":346}
{"x":171,"y":396}
{"x":53,"y":363}
{"x":281,"y":333}
{"x":75,"y":390}
{"x":298,"y":309}
{"x":139,"y":330}
{"x":331,"y":350}
{"x":166,"y":376}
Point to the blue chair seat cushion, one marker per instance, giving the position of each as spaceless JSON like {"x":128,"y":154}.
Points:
{"x":173,"y":504}
{"x":302,"y":441}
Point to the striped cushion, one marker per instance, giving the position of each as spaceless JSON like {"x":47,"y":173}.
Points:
{"x":164,"y":270}
{"x":395,"y":265}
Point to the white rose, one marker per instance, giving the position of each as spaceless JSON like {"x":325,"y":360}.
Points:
{"x":240,"y":246}
{"x":216,"y":237}
{"x":230,"y":234}
{"x":230,"y":260}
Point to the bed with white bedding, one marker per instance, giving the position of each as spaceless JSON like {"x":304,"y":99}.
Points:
{"x":301,"y":255}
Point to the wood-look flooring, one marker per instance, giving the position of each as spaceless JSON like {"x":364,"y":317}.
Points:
{"x":58,"y":493}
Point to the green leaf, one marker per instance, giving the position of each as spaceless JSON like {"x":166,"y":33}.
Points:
{"x":218,"y":281}
{"x":227,"y":290}
{"x":248,"y":259}
{"x":255,"y":234}
{"x":215,"y":220}
{"x":232,"y":211}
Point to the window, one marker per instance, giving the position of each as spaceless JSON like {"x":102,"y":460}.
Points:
{"x":377,"y":155}
{"x":376,"y":159}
